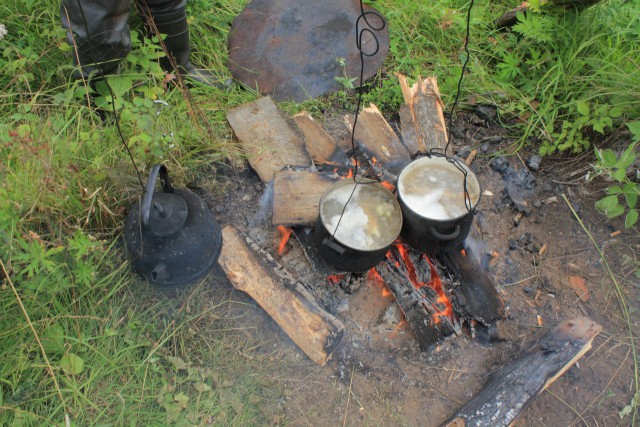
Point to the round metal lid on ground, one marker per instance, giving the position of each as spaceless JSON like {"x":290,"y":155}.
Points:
{"x":294,"y":49}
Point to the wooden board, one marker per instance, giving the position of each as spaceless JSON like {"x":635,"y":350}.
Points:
{"x":423,"y":126}
{"x":376,"y":137}
{"x":296,"y":197}
{"x":252,"y":270}
{"x":267,"y":139}
{"x":320,"y":145}
{"x":513,"y":387}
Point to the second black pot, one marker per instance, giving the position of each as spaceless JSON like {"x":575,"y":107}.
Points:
{"x":430,"y":234}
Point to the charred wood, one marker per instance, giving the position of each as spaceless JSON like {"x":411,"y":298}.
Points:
{"x":418,"y":306}
{"x":511,"y":388}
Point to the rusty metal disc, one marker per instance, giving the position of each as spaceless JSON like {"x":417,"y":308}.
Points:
{"x":293,"y":49}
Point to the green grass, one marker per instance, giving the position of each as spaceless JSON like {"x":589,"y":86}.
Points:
{"x":67,"y":183}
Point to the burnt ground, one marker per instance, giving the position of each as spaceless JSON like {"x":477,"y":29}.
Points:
{"x":378,"y":376}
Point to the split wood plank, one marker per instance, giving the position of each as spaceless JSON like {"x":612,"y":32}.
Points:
{"x":320,"y":145}
{"x":513,"y":387}
{"x":296,"y":196}
{"x":255,"y":272}
{"x":267,"y":139}
{"x":422,"y":117}
{"x":378,"y":139}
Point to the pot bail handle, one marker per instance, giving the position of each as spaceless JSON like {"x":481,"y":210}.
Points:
{"x":145,"y":207}
{"x":330,"y":243}
{"x":441,"y":236}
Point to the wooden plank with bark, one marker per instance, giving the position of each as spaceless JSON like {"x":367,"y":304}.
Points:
{"x":320,"y":145}
{"x":375,"y":136}
{"x":267,"y":139}
{"x":296,"y":196}
{"x":513,"y":387}
{"x":422,"y":121}
{"x":255,"y":272}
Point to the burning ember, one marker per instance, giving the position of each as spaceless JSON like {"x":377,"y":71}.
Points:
{"x":402,"y":259}
{"x":375,"y":278}
{"x":285,"y":234}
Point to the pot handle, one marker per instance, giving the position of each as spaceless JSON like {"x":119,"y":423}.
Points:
{"x":441,"y":236}
{"x":145,"y":207}
{"x":333,"y":245}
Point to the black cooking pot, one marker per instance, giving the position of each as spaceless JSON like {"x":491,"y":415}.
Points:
{"x":354,"y":246}
{"x":429,"y":226}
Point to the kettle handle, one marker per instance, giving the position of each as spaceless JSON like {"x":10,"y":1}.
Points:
{"x":145,"y":208}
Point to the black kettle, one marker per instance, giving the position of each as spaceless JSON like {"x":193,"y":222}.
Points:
{"x":172,"y":237}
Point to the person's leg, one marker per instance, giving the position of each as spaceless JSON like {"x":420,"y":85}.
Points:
{"x":170,"y":18}
{"x":99,"y":32}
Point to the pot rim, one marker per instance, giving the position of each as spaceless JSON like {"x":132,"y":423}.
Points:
{"x":438,"y":159}
{"x":370,"y":182}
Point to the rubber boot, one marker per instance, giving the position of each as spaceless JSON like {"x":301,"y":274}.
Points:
{"x":170,"y":18}
{"x":98,"y":31}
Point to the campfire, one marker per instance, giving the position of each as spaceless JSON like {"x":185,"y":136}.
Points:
{"x":442,"y":291}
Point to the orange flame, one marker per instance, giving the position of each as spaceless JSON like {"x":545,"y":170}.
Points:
{"x":374,"y":161}
{"x":334,"y":279}
{"x":285,"y":234}
{"x":434,"y":283}
{"x":350,"y":174}
{"x":375,"y":278}
{"x":389,"y":186}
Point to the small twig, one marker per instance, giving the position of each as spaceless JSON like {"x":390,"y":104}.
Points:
{"x":518,"y":282}
{"x":35,"y":334}
{"x":445,"y":394}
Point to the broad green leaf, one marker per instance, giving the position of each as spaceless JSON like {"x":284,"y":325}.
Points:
{"x":202,"y":387}
{"x":583,"y":108}
{"x":631,"y":219}
{"x":53,"y":339}
{"x":627,"y":157}
{"x":614,"y":190}
{"x":616,"y":211}
{"x":182,"y":399}
{"x":177,"y":362}
{"x":609,"y":158}
{"x":72,"y":364}
{"x":619,"y":174}
{"x":607,"y":203}
{"x":632,"y":199}
{"x":120,"y":84}
{"x":634,"y":128}
{"x":616,"y":112}
{"x":598,"y":126}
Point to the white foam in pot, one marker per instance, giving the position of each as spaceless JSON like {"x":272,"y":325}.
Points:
{"x":434,"y":188}
{"x":371,"y":220}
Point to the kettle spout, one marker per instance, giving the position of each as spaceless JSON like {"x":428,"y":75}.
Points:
{"x":160,"y":273}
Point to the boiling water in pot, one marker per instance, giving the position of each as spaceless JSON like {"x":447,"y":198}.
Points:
{"x":436,"y":191}
{"x":371,"y":220}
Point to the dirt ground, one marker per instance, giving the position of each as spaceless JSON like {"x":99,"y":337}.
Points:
{"x":379,"y":376}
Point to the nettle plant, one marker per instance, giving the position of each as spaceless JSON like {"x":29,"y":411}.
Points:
{"x":623,"y":196}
